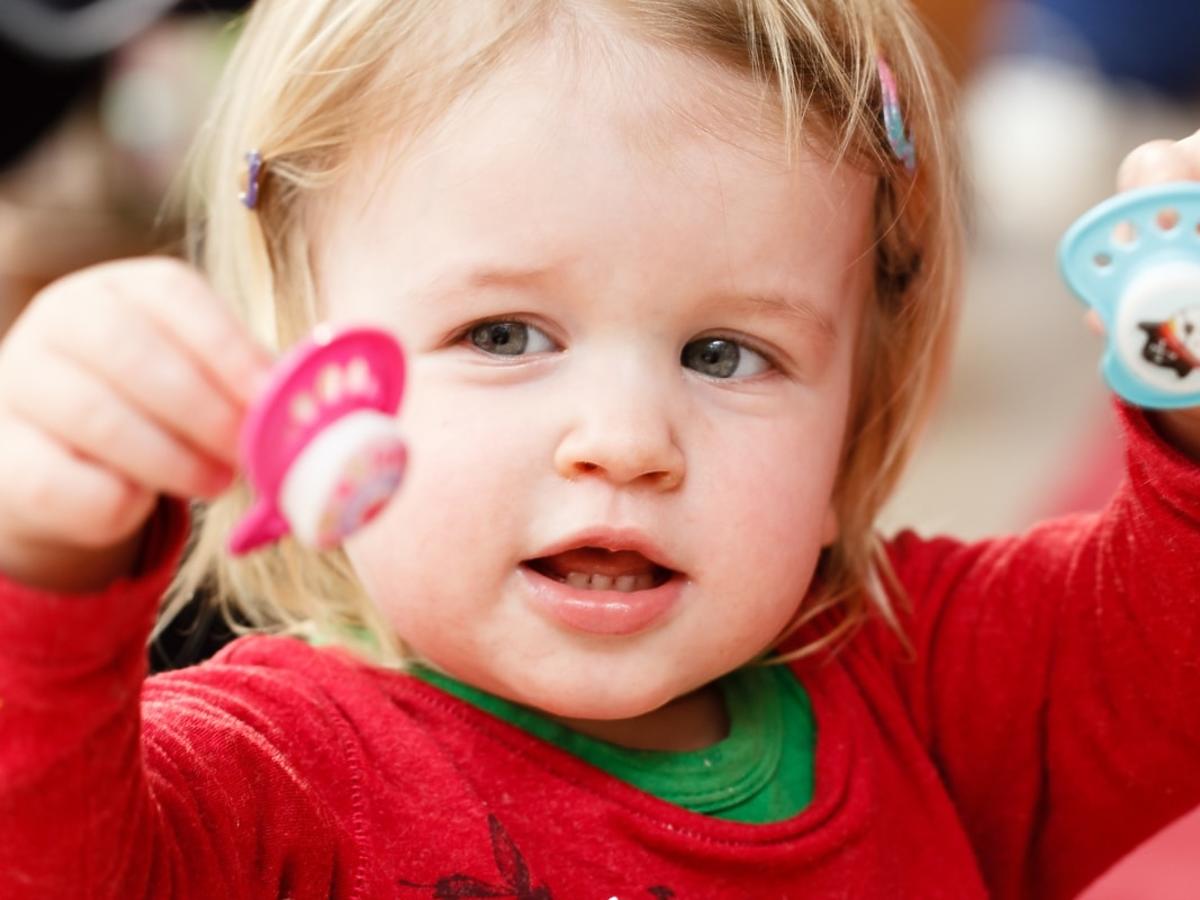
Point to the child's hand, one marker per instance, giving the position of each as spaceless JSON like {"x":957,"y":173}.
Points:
{"x":118,"y":384}
{"x":1159,"y":162}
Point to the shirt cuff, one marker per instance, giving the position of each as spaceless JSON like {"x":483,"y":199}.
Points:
{"x":1156,"y":466}
{"x":41,"y":627}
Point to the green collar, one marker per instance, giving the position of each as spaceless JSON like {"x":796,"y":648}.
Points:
{"x":745,"y":777}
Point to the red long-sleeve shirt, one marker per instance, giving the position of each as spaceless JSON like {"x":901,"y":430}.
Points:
{"x":1043,"y":723}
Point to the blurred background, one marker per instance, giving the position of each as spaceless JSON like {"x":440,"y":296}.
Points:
{"x":105,"y":95}
{"x":102,"y":100}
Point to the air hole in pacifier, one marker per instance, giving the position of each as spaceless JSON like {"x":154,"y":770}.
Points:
{"x":1125,"y":234}
{"x":329,"y":383}
{"x":358,"y":376}
{"x":303,"y":409}
{"x":1102,"y":260}
{"x":1167,"y":219}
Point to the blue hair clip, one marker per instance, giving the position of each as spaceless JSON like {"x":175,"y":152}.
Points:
{"x":252,"y":180}
{"x":893,"y":119}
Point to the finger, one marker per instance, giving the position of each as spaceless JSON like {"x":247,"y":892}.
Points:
{"x":181,"y":303}
{"x":1190,"y":145}
{"x":1094,"y":323}
{"x":77,"y":409}
{"x":138,"y":361}
{"x":61,"y":497}
{"x":1159,"y":162}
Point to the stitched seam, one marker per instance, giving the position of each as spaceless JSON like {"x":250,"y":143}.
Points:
{"x":353,"y":759}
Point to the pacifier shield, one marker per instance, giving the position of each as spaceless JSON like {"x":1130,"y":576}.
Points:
{"x":1135,"y":259}
{"x":320,"y":446}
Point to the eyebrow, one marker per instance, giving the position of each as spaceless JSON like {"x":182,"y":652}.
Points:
{"x":503,"y":277}
{"x":797,"y":309}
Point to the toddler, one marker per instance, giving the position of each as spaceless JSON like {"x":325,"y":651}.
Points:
{"x":675,"y":279}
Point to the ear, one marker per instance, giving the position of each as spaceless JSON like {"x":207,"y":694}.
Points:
{"x":830,"y":528}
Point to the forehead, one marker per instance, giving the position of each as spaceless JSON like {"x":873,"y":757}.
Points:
{"x":570,"y":157}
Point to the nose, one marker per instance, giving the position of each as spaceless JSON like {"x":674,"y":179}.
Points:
{"x":621,"y":430}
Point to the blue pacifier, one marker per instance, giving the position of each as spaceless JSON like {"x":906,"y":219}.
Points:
{"x":1135,"y":259}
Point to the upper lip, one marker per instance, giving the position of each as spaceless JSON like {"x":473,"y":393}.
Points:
{"x":614,"y":539}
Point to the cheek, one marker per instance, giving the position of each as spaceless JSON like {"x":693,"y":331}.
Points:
{"x":456,"y":513}
{"x":778,"y":476}
{"x":421,"y":560}
{"x":771,"y":507}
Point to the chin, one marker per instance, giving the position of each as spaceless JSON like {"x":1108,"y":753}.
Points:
{"x":601,"y":700}
{"x":599,"y":711}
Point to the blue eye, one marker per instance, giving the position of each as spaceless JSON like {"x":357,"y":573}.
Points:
{"x":509,"y":338}
{"x":722,"y":358}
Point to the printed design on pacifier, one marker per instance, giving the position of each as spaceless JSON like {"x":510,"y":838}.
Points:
{"x":1175,"y":343}
{"x":320,"y":446}
{"x":1135,"y":259}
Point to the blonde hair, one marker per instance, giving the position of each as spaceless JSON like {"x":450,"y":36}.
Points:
{"x":308,"y":77}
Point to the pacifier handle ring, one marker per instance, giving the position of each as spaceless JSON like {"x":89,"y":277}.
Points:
{"x":262,"y":525}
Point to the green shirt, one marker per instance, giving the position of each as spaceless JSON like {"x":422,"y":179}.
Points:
{"x":761,"y":772}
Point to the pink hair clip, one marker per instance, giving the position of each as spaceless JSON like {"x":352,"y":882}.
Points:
{"x":320,"y":445}
{"x":893,"y":118}
{"x":251,"y":180}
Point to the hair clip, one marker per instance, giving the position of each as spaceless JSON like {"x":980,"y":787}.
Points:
{"x":251,"y":180}
{"x":893,"y":119}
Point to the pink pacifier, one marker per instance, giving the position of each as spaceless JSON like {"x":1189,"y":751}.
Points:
{"x":320,"y":446}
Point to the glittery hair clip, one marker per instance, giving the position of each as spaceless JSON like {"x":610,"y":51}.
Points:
{"x":893,"y":119}
{"x":251,"y":180}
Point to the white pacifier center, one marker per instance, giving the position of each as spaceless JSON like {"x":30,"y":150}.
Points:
{"x":1161,"y":293}
{"x":313,"y":480}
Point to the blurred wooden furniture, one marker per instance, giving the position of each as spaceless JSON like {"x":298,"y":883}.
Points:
{"x":957,"y":26}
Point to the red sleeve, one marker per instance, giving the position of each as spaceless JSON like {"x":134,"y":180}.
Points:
{"x":1055,"y":676}
{"x":192,"y":792}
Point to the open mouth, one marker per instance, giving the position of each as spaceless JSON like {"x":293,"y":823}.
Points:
{"x":597,"y":569}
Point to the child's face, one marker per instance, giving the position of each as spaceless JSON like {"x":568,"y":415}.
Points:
{"x":667,"y":374}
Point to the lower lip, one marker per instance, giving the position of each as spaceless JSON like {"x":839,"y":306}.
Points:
{"x":603,"y":612}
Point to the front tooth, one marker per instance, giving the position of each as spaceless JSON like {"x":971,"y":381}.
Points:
{"x":578,"y":579}
{"x":601,"y":582}
{"x":643,"y":582}
{"x":626,"y":583}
